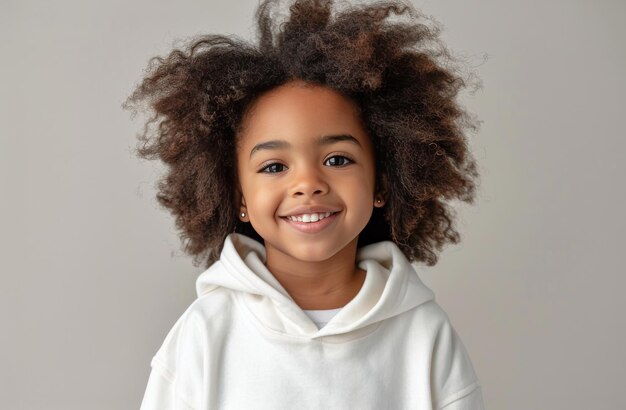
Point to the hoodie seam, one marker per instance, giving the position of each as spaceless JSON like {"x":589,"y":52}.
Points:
{"x":207,"y":292}
{"x":170,"y":377}
{"x":161,"y":368}
{"x":458,"y":395}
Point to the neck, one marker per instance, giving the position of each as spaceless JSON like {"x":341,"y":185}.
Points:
{"x":327,"y":284}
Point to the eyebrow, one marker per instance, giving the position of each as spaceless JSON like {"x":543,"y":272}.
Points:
{"x":321,"y":141}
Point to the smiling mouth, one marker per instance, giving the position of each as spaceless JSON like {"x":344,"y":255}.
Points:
{"x":309,"y":218}
{"x":312,"y":226}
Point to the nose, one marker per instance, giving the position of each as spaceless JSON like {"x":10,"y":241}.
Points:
{"x":308,"y":181}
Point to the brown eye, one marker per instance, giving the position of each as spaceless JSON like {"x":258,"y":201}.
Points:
{"x":272,"y":168}
{"x":339,"y":160}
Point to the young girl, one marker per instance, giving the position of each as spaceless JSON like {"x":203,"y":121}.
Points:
{"x":310,"y":174}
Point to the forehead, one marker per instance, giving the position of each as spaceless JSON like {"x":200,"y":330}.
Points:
{"x":300,"y":112}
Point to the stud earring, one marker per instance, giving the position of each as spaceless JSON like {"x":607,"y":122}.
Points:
{"x":243,"y":214}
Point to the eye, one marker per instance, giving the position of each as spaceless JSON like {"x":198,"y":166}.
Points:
{"x":272,"y":168}
{"x":339,"y":160}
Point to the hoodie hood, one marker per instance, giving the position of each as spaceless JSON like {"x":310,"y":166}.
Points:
{"x":391,"y":287}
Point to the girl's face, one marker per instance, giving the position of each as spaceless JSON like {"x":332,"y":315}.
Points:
{"x":304,"y":147}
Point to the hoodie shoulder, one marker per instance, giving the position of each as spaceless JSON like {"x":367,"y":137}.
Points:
{"x":208,"y":311}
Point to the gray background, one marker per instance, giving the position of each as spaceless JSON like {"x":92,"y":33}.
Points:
{"x":92,"y":272}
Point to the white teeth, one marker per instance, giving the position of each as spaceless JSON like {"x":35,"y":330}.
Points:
{"x":309,"y":217}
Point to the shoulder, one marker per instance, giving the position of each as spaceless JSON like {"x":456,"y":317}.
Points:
{"x":186,"y":339}
{"x":211,"y":307}
{"x":437,"y":326}
{"x":428,"y":321}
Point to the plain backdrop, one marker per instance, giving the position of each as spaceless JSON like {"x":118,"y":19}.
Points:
{"x":93,"y":275}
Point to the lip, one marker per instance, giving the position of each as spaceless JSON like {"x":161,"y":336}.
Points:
{"x":311,"y":227}
{"x":310,"y":210}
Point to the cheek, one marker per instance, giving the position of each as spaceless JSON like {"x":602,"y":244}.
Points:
{"x":359,"y":196}
{"x":366,"y":181}
{"x":262,"y":199}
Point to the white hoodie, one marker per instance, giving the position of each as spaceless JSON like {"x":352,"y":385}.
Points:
{"x":245,"y":344}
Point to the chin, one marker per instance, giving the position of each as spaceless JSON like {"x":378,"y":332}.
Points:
{"x":308,"y":252}
{"x":315,"y":253}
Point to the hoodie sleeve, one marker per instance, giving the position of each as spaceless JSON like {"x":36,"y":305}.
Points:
{"x":176,"y":376}
{"x":160,"y":393}
{"x":454,"y":381}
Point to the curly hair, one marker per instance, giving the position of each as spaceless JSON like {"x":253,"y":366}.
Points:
{"x":399,"y":76}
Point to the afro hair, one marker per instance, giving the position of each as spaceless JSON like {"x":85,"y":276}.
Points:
{"x":398,"y":74}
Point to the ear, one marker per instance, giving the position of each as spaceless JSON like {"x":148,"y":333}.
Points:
{"x":238,"y":195}
{"x":382,"y":189}
{"x":239,"y":199}
{"x":239,"y":203}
